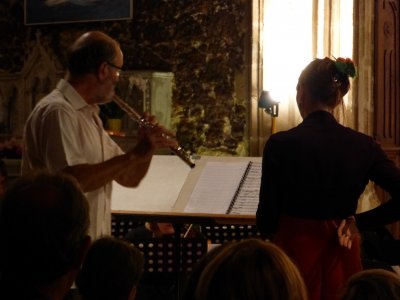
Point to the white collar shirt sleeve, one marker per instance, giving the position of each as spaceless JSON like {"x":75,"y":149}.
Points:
{"x":63,"y":130}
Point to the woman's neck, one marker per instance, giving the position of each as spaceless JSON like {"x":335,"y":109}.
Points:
{"x":316,"y":107}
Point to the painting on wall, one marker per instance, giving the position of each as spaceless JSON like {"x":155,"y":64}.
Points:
{"x":67,"y":11}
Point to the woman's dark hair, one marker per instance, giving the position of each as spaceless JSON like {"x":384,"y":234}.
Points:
{"x":325,"y":81}
{"x":112,"y":267}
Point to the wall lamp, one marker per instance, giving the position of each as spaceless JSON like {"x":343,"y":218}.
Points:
{"x":270,"y":106}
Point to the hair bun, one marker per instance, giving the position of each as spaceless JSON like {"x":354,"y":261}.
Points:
{"x":345,"y":66}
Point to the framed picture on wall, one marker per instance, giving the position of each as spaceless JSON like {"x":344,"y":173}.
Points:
{"x":67,"y":11}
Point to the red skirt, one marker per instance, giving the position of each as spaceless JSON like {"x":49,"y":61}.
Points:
{"x":314,"y":246}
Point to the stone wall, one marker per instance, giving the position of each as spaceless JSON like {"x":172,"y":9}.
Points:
{"x":202,"y":42}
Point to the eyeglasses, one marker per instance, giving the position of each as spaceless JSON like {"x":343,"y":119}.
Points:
{"x":119,"y":69}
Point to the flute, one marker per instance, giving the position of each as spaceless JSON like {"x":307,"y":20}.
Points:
{"x":135,"y":116}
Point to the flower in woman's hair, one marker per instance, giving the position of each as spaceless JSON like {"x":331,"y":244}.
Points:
{"x":345,"y":66}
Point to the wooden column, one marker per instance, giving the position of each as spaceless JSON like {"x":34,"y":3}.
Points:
{"x":387,"y":83}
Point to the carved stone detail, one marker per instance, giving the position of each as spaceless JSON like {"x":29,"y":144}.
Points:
{"x":20,"y":91}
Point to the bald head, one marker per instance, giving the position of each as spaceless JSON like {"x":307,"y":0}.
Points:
{"x":89,"y":51}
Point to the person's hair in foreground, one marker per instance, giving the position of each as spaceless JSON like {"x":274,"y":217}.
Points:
{"x":372,"y":284}
{"x":111,"y":270}
{"x":44,"y":221}
{"x":250,"y":269}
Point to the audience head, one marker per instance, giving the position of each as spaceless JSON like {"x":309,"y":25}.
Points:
{"x":192,"y":280}
{"x":372,"y":284}
{"x":250,"y":269}
{"x":326,"y":81}
{"x":44,"y":221}
{"x":111,"y":270}
{"x":89,"y":51}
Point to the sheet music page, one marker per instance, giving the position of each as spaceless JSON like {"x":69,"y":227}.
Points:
{"x":247,"y":200}
{"x":216,"y":187}
{"x":158,"y":190}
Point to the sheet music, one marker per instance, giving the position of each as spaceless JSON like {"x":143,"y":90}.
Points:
{"x":158,"y":190}
{"x":247,"y":200}
{"x":216,"y":187}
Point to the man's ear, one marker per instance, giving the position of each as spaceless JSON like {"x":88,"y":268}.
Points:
{"x":300,"y":94}
{"x":103,"y":71}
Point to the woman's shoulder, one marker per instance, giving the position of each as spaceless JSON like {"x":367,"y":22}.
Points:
{"x":357,"y":136}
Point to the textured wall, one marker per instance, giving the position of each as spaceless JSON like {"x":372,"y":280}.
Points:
{"x":201,"y":41}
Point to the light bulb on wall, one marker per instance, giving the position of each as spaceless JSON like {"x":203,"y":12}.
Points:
{"x":270,"y":106}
